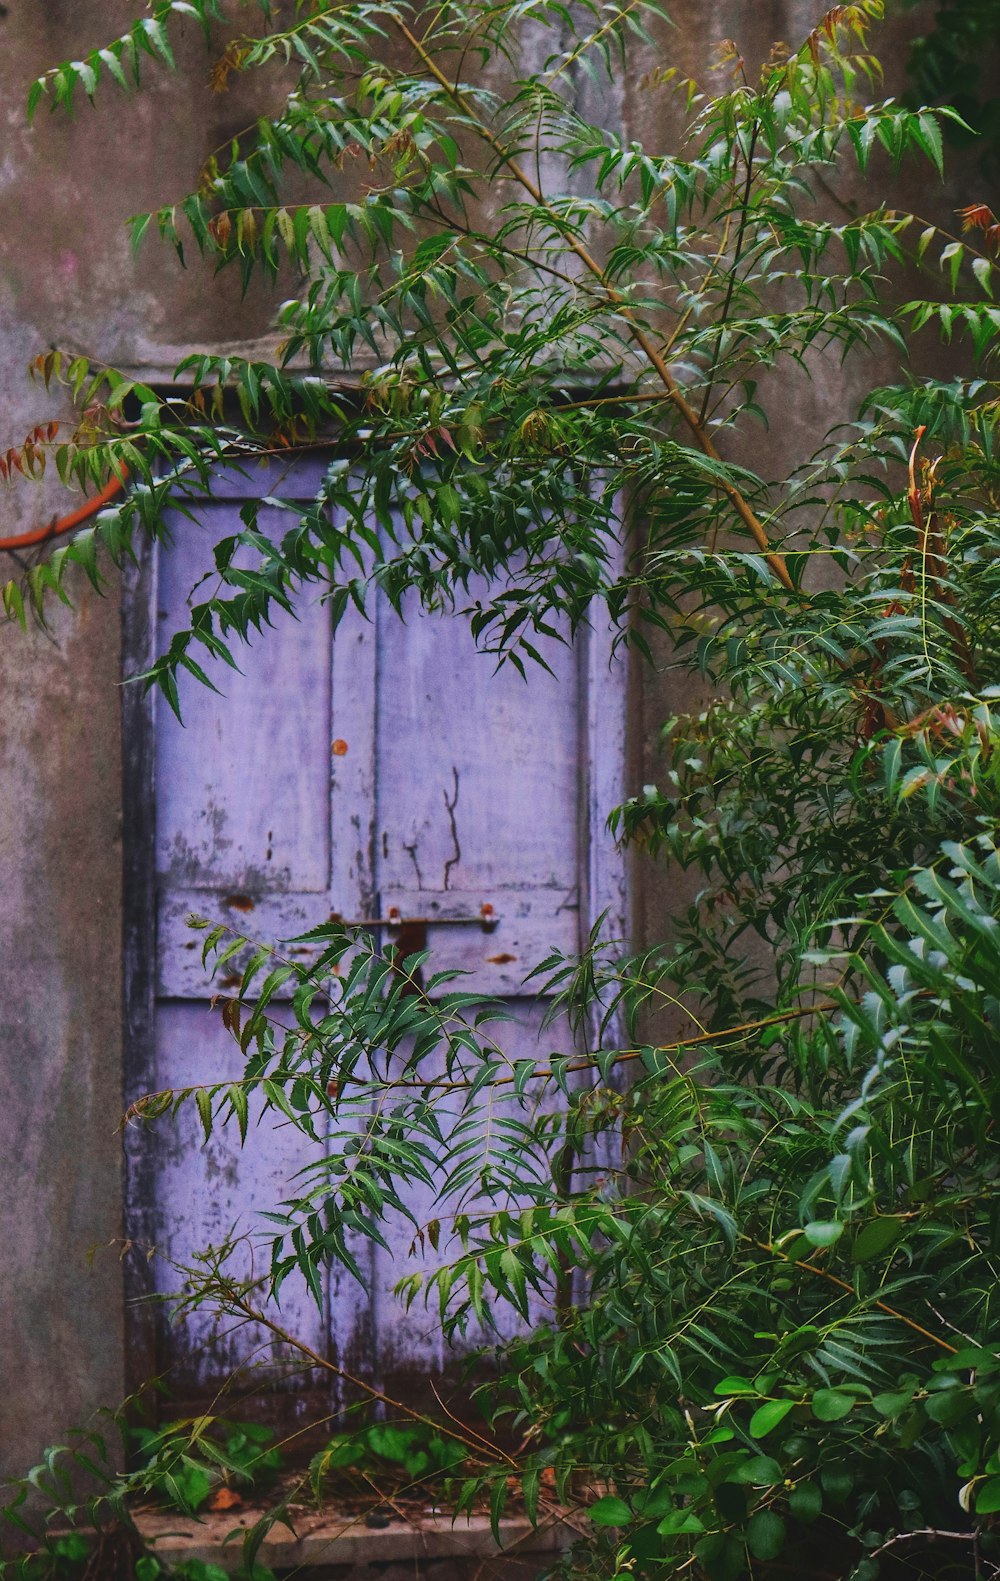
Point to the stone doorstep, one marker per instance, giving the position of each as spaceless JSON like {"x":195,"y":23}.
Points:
{"x":329,"y":1541}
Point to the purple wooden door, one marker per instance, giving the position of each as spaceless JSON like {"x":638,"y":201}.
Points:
{"x":392,"y":768}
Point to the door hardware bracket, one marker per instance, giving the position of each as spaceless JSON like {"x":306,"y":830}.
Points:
{"x":409,"y":934}
{"x":394,"y":920}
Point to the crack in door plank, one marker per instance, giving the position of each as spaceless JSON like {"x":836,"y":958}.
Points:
{"x":450,"y":809}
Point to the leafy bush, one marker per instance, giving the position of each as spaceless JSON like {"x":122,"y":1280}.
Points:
{"x":419,"y":1454}
{"x":148,"y":1568}
{"x":72,"y":1558}
{"x":952,"y":62}
{"x":794,"y":1318}
{"x":180,"y":1463}
{"x":780,"y":1223}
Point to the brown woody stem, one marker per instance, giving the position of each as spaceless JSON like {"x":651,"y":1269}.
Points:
{"x":649,"y":350}
{"x":233,"y":1299}
{"x":842,"y":1284}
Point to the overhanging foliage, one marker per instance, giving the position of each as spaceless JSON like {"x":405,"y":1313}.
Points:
{"x":787,"y":1267}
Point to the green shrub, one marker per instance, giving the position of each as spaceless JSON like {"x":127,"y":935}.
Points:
{"x":181,"y":1463}
{"x":780,"y":1224}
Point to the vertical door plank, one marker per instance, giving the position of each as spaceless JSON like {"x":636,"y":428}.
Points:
{"x":139,"y":647}
{"x":352,"y":1338}
{"x":479,"y":800}
{"x":243,"y":836}
{"x":212,"y":1192}
{"x":605,"y":765}
{"x":241,"y":803}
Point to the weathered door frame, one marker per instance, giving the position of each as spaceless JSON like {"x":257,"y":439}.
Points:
{"x":603,"y":878}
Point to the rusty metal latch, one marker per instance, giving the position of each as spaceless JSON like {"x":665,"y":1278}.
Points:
{"x":410,"y":933}
{"x":487,"y":919}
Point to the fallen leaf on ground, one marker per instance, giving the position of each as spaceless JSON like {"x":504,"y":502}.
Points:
{"x":225,"y":1499}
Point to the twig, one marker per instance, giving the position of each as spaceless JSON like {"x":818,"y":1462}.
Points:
{"x":931,"y":1533}
{"x":234,"y":1299}
{"x":833,"y":1279}
{"x":136,"y":1110}
{"x":453,"y":1418}
{"x":731,"y":285}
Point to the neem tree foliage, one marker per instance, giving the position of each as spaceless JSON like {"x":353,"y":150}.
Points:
{"x":955,"y":63}
{"x":787,"y":1351}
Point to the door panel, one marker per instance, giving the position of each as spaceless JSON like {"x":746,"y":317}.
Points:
{"x":240,"y":805}
{"x":391,"y":772}
{"x":478,"y":769}
{"x":211,"y":1192}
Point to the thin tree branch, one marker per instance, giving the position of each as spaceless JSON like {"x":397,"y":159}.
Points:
{"x":136,"y":1109}
{"x":233,"y":1299}
{"x":926,"y":1533}
{"x":649,"y":350}
{"x":833,"y":1279}
{"x":731,"y":286}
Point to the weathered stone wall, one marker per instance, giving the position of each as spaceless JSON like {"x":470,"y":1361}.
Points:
{"x":67,"y":277}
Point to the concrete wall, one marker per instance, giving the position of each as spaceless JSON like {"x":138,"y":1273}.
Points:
{"x":67,"y":277}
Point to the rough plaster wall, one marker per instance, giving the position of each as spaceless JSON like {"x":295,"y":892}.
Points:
{"x":59,"y":1029}
{"x":67,"y":277}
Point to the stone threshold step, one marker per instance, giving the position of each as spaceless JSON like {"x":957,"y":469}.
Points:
{"x":340,"y":1543}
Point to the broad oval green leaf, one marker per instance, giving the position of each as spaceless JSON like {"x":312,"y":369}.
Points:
{"x":681,"y":1523}
{"x":950,"y":1406}
{"x":891,"y":1403}
{"x":610,"y":1511}
{"x":825,"y":1232}
{"x":988,"y":1497}
{"x":875,"y":1238}
{"x":805,"y":1501}
{"x":766,"y":1534}
{"x":831,"y":1405}
{"x":759,"y":1471}
{"x":734,"y":1384}
{"x":769,"y":1416}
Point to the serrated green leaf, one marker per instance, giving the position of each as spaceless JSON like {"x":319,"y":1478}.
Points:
{"x":204,"y":1105}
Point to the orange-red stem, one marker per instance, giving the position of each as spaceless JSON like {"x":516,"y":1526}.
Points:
{"x":63,"y":524}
